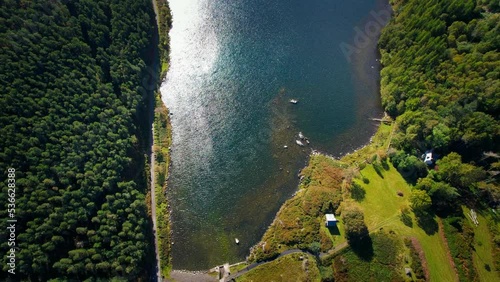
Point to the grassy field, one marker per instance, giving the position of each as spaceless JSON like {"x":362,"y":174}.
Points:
{"x":287,"y":268}
{"x":482,"y":257}
{"x":382,"y":209}
{"x":382,"y":204}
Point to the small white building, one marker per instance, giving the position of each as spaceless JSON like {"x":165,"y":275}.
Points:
{"x":428,"y":160}
{"x":330,"y":220}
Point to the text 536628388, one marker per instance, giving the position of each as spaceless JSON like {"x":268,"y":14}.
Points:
{"x":11,"y":221}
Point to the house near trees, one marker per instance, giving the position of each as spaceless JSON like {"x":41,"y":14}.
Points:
{"x":330,"y":220}
{"x":428,"y":158}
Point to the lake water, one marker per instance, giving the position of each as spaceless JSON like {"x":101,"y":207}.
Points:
{"x":235,"y":64}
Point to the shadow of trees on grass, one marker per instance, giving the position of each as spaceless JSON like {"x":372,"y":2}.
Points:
{"x":427,"y":222}
{"x":362,"y":247}
{"x":406,"y":217}
{"x":357,"y":192}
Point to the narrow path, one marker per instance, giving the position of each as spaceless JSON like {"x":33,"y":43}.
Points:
{"x":153,"y":206}
{"x":390,"y":135}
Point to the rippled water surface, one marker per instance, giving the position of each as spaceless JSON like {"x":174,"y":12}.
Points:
{"x":235,"y":64}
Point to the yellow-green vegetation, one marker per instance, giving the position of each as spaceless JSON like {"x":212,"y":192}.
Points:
{"x":382,"y":204}
{"x":292,"y":267}
{"x":384,"y":208}
{"x":162,"y":141}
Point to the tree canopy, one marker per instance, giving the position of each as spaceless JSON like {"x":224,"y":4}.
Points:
{"x":354,"y":224}
{"x":441,"y":80}
{"x":73,"y":94}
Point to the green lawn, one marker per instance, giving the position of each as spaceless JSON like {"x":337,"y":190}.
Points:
{"x":381,"y":207}
{"x":482,"y":257}
{"x":381,"y":204}
{"x":287,"y":268}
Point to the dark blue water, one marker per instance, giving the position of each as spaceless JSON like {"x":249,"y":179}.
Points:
{"x":235,"y":64}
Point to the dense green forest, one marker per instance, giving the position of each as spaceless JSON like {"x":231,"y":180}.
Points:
{"x":441,"y":78}
{"x":74,"y":79}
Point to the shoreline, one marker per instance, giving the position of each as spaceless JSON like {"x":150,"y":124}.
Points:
{"x":360,"y":115}
{"x":350,"y":147}
{"x":365,"y":70}
{"x":313,"y":152}
{"x":319,"y":153}
{"x":161,"y":139}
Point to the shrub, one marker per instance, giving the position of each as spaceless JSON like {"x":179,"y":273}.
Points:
{"x":460,"y":237}
{"x":386,"y":248}
{"x":314,"y":247}
{"x":362,"y":165}
{"x":406,"y":217}
{"x":378,"y":169}
{"x":357,"y":192}
{"x":326,"y":241}
{"x":354,"y":224}
{"x":326,"y":273}
{"x":416,"y":263}
{"x":366,"y":180}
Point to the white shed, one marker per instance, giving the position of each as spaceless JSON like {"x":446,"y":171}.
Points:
{"x":428,"y":160}
{"x":330,"y":220}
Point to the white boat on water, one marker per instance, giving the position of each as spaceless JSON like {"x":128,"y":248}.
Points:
{"x":299,"y":143}
{"x":294,"y":101}
{"x":301,"y":136}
